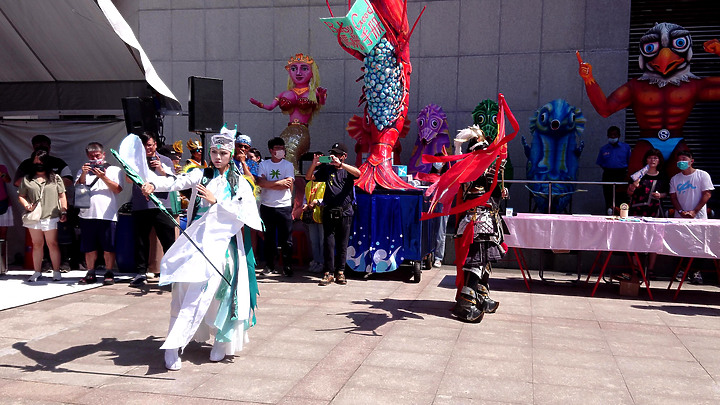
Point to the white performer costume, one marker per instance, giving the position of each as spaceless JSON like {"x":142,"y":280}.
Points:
{"x":202,"y":301}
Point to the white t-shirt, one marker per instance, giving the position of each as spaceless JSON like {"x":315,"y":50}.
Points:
{"x":274,"y":172}
{"x":689,"y":189}
{"x":103,"y":202}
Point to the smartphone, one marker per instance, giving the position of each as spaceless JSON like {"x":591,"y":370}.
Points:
{"x":325,"y":159}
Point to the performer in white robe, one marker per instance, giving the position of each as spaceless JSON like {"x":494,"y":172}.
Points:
{"x":202,"y":301}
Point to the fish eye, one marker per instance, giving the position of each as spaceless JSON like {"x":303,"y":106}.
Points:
{"x":481,"y":119}
{"x":680,"y":43}
{"x":543,"y":117}
{"x":434,"y":123}
{"x":650,"y":48}
{"x":494,"y":119}
{"x":421,"y":122}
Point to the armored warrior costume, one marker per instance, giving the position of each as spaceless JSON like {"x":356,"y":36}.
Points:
{"x":486,"y":247}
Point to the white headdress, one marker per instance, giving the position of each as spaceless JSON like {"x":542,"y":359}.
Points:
{"x":225,"y":130}
{"x":470,"y":133}
{"x":223,"y":141}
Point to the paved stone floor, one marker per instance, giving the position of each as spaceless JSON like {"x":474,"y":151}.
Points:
{"x":381,"y":340}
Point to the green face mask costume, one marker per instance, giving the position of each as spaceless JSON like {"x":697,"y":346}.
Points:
{"x":485,"y":116}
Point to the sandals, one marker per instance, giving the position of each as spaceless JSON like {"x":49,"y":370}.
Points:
{"x":109,"y":278}
{"x":89,"y":278}
{"x":326,"y":280}
{"x":341,"y":279}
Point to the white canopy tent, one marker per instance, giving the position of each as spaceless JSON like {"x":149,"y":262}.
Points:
{"x":63,"y":57}
{"x":66,"y":66}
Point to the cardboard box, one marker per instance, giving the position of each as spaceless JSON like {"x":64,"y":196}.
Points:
{"x":629,"y":288}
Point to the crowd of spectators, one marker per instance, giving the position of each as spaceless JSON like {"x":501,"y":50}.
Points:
{"x":45,"y":192}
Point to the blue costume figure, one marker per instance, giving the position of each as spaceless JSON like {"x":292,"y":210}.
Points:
{"x":554,"y":153}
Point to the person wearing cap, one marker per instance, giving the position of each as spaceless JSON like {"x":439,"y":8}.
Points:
{"x":243,"y":143}
{"x":203,"y":300}
{"x":276,"y":177}
{"x":338,"y":210}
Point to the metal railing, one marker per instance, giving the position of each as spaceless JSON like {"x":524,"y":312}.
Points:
{"x":592,"y":183}
{"x":551,"y":182}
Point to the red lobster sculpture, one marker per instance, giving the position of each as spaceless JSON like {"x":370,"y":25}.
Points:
{"x":384,"y":133}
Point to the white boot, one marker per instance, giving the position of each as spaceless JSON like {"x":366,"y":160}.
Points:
{"x":218,"y":351}
{"x":172,"y":359}
{"x":34,"y":277}
{"x":57,"y":276}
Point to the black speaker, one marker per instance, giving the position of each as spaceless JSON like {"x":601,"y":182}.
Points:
{"x":140,"y":115}
{"x":205,"y":104}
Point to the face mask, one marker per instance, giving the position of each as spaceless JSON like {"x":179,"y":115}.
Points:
{"x":39,"y":167}
{"x":438,"y":165}
{"x":613,"y":141}
{"x":279,"y":154}
{"x":683,"y":164}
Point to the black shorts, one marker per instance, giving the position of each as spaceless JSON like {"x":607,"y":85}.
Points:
{"x":97,"y":234}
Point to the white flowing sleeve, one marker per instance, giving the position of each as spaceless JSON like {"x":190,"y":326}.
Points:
{"x":175,"y":183}
{"x":243,"y":206}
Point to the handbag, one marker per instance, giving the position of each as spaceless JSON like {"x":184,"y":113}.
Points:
{"x":32,"y":217}
{"x":82,"y":194}
{"x":307,"y":216}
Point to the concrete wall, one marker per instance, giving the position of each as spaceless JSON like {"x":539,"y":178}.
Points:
{"x":463,"y":51}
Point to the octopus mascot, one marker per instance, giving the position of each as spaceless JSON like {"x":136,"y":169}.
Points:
{"x":302,"y":99}
{"x":479,"y":241}
{"x":205,"y":301}
{"x":663,"y":97}
{"x":433,"y":137}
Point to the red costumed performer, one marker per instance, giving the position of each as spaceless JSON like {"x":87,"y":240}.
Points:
{"x":480,"y":231}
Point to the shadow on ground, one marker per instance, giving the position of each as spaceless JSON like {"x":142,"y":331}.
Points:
{"x":138,"y":352}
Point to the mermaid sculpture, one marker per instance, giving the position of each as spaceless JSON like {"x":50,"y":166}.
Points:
{"x":302,"y":99}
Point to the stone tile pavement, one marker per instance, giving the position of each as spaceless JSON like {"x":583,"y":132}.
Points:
{"x":380,"y":340}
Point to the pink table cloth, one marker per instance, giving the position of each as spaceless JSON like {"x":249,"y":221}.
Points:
{"x":672,"y":237}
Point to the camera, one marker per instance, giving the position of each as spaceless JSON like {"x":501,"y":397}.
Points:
{"x":97,"y":164}
{"x":150,"y":159}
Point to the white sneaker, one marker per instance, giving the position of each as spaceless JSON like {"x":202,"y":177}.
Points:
{"x":57,"y":276}
{"x":172,"y":359}
{"x":437,"y":263}
{"x":218,"y":351}
{"x":34,"y":277}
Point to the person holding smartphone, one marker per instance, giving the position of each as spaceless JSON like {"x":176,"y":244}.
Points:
{"x":98,"y":221}
{"x":338,"y":209}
